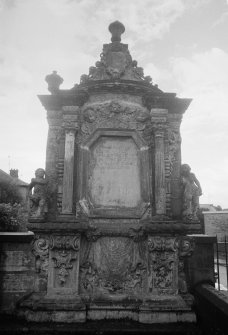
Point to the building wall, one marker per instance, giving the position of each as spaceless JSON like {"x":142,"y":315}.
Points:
{"x":216,"y":223}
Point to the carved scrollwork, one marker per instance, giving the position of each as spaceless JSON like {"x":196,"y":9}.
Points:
{"x":115,"y":114}
{"x":158,"y":243}
{"x":40,"y":249}
{"x":186,"y":246}
{"x":115,"y":63}
{"x":65,"y":242}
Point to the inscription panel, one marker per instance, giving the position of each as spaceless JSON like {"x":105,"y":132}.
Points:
{"x":114,"y":175}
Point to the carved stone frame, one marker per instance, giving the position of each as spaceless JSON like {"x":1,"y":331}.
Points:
{"x":85,"y":202}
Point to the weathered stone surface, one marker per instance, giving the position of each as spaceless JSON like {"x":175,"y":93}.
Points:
{"x":114,"y":173}
{"x":16,"y":272}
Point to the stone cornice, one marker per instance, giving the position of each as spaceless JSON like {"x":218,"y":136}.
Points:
{"x":63,"y":98}
{"x":152,"y":97}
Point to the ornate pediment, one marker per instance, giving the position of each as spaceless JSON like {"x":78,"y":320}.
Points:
{"x":116,"y":62}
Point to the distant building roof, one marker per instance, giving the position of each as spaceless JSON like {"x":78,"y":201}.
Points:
{"x":208,"y":207}
{"x":5,"y":177}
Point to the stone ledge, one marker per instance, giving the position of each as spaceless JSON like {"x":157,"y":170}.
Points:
{"x":18,"y":237}
{"x":203,"y":239}
{"x":219,"y":299}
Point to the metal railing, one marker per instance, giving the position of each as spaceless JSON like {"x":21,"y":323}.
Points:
{"x":221,"y":263}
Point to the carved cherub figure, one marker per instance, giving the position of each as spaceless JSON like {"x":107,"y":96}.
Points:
{"x":38,"y":199}
{"x":191,"y":193}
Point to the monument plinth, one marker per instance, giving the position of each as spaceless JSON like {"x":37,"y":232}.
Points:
{"x":114,"y":242}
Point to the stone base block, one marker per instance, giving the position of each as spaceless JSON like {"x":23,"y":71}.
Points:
{"x":53,"y":316}
{"x":107,"y":312}
{"x":166,"y":316}
{"x":156,"y":310}
{"x":169,"y":309}
{"x":55,"y":309}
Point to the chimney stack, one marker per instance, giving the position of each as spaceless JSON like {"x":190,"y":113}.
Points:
{"x":14,"y":173}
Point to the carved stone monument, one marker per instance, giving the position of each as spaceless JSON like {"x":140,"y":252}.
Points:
{"x":114,"y":242}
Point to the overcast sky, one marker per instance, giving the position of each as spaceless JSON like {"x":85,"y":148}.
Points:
{"x":181,"y":44}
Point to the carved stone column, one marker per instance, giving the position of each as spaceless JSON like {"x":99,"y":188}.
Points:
{"x":158,"y":118}
{"x":54,"y":118}
{"x":174,"y":121}
{"x":70,"y":125}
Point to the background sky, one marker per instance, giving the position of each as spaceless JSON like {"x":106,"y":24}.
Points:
{"x":181,"y":44}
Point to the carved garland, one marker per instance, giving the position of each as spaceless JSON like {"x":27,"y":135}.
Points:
{"x":114,"y":114}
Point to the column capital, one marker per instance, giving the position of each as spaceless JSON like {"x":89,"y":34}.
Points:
{"x":159,"y":121}
{"x":70,"y":121}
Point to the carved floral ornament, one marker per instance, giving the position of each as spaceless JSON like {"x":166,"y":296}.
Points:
{"x":64,"y":253}
{"x":63,"y":262}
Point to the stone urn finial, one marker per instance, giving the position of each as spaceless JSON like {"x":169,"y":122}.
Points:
{"x":54,"y":81}
{"x":116,"y":29}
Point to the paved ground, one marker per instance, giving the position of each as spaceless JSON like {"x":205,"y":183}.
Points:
{"x":9,"y":326}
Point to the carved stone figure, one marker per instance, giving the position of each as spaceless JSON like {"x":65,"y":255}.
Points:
{"x":191,"y":193}
{"x":38,"y":198}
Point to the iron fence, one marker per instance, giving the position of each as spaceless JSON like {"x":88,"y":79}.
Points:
{"x":221,"y":263}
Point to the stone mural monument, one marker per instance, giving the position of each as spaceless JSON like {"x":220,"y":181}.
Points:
{"x":113,"y":226}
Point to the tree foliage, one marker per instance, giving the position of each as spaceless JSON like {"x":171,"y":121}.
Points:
{"x":13,"y":214}
{"x":9,"y":193}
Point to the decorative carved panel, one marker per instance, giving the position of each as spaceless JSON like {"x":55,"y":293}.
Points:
{"x":113,"y":267}
{"x":163,"y":265}
{"x":63,"y":264}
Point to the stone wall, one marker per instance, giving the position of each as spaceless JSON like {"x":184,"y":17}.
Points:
{"x":216,"y":223}
{"x":16,"y":268}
